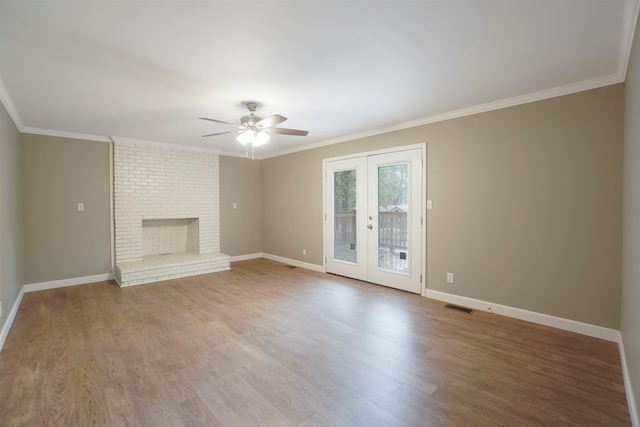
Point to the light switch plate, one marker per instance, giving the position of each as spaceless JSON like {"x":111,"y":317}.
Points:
{"x":429,"y":204}
{"x":80,"y":207}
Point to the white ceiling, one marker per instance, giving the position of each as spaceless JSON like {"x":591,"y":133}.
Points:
{"x":144,"y":70}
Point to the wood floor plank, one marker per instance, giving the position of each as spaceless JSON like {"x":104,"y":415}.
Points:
{"x":21,"y":406}
{"x":236,"y":402}
{"x":89,"y":399}
{"x":266,"y":344}
{"x":289,"y":393}
{"x":58,"y":403}
{"x":186,"y":402}
{"x":364,"y":409}
{"x":410,"y":411}
{"x":121,"y":405}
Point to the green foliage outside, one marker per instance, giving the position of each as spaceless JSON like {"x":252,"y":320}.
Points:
{"x":344,"y":191}
{"x":392,"y":187}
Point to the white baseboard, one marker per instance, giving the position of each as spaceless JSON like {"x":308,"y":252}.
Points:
{"x":631,"y":401}
{"x":246,"y":257}
{"x":296,"y":263}
{"x":31,"y":287}
{"x":530,"y":316}
{"x":9,"y":321}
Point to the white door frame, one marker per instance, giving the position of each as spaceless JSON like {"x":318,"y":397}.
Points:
{"x":423,"y":208}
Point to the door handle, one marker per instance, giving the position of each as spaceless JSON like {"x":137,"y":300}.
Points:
{"x":370,"y":227}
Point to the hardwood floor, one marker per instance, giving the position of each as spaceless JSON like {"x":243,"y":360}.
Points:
{"x":266,"y":344}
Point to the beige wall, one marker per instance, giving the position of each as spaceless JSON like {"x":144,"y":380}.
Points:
{"x":527,"y":204}
{"x":292,"y":206}
{"x":10,"y":280}
{"x":630,"y":313}
{"x":240,"y":228}
{"x":58,"y":241}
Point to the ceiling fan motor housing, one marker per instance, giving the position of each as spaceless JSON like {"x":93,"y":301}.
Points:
{"x":250,"y":120}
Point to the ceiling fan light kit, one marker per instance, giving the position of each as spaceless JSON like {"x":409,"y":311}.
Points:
{"x":256,"y":139}
{"x":255,"y":130}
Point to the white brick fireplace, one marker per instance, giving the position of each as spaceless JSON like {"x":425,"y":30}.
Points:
{"x":166,"y":210}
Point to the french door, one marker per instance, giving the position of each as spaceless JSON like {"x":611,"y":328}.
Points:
{"x":373,"y":221}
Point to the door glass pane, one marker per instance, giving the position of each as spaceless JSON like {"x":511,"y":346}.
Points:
{"x":344,"y":210}
{"x":393,"y":205}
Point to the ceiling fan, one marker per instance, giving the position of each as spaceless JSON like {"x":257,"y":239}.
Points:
{"x":255,"y":130}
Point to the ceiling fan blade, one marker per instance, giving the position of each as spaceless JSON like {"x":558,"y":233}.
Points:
{"x":267,"y":122}
{"x":219,"y":133}
{"x":218,"y":121}
{"x":282,"y":131}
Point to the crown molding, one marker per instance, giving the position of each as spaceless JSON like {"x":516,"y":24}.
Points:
{"x":629,"y":23}
{"x":240,"y":155}
{"x":10,"y":107}
{"x":64,"y":134}
{"x":477,"y":109}
{"x":157,"y":144}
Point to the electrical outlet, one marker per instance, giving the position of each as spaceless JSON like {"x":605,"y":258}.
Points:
{"x":304,"y":252}
{"x":449,"y":277}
